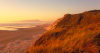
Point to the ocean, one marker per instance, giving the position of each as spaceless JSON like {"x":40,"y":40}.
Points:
{"x":13,"y":28}
{"x":16,"y":26}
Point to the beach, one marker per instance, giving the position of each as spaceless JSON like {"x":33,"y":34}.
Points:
{"x":20,"y":36}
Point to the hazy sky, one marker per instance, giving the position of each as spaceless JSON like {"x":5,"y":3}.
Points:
{"x":45,"y":10}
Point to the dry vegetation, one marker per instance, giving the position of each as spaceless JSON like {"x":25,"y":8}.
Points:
{"x":78,"y":33}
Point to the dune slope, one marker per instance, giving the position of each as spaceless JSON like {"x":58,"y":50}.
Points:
{"x":74,"y":33}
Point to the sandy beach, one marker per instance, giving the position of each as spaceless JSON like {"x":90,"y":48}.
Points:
{"x":20,"y":35}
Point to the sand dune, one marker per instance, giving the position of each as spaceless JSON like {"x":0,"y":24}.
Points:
{"x":73,"y":33}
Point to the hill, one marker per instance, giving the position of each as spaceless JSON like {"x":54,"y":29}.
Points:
{"x":74,"y":33}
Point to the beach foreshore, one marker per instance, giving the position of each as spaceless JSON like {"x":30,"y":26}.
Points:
{"x":12,"y":39}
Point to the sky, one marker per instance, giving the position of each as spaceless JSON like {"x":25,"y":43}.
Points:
{"x":44,"y":10}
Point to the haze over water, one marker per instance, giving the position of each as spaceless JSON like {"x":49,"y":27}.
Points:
{"x":13,"y":28}
{"x":16,"y":26}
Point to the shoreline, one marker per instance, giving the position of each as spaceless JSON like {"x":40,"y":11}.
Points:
{"x":21,"y":34}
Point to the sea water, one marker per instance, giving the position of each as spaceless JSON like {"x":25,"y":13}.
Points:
{"x":14,"y":28}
